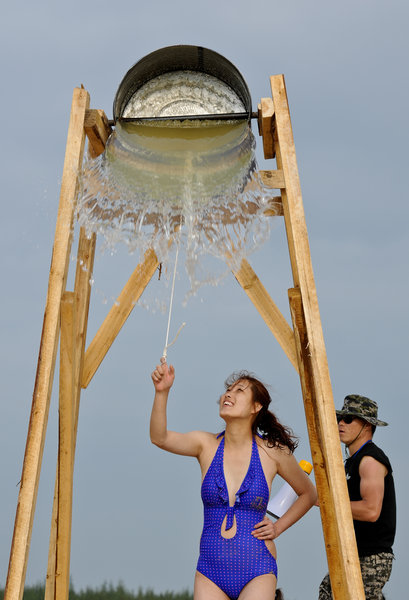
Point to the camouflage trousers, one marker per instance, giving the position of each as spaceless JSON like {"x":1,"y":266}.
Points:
{"x":376,"y":570}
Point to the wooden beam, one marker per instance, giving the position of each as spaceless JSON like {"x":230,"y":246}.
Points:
{"x":300,"y":257}
{"x":66,"y":442}
{"x":85,"y":262}
{"x":273,"y":179}
{"x":98,"y":130}
{"x":48,"y":348}
{"x":327,"y":507}
{"x":49,"y":593}
{"x":268,"y":310}
{"x":266,"y":125}
{"x":276,"y":207}
{"x":117,"y":316}
{"x":82,"y":287}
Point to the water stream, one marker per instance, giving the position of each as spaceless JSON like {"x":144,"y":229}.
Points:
{"x":193,"y":181}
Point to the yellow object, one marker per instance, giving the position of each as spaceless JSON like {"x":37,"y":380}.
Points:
{"x":306,"y":466}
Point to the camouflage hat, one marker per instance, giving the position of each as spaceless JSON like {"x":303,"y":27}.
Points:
{"x":361,"y":407}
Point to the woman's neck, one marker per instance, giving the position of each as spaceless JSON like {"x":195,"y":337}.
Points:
{"x":236,"y":433}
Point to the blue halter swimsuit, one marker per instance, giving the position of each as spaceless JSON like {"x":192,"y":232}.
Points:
{"x":232,"y":563}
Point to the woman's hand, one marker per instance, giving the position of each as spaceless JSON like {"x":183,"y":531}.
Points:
{"x":265,"y":530}
{"x":163,"y":376}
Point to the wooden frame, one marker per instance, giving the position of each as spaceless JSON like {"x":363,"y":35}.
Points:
{"x":68,"y":312}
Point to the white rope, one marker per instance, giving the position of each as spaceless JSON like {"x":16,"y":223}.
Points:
{"x":167,"y":345}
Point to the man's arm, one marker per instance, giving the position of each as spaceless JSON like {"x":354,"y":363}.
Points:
{"x":372,"y":474}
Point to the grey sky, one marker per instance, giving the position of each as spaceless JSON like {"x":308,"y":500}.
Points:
{"x":137,"y":510}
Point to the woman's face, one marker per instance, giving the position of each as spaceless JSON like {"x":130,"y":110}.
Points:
{"x":237,"y":401}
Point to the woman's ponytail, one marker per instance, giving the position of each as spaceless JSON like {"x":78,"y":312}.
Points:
{"x":271,"y":430}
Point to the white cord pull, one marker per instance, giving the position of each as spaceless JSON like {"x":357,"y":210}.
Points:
{"x":165,"y":350}
{"x":167,"y":345}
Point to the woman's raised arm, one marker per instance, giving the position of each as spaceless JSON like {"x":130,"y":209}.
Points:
{"x":188,"y":444}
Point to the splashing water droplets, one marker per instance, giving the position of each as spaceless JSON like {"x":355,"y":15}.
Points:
{"x":194,"y":180}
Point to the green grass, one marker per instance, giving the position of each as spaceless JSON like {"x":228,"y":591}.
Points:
{"x":106,"y":592}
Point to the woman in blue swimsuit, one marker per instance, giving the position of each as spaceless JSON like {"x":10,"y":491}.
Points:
{"x":237,"y":552}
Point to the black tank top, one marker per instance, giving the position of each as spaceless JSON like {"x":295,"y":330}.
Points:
{"x":372,"y":538}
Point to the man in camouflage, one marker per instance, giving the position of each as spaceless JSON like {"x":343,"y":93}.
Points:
{"x":371,"y":492}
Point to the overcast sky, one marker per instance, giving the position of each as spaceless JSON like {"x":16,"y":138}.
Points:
{"x":137,"y":512}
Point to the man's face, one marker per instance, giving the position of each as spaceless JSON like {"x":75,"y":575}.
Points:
{"x":349,"y":428}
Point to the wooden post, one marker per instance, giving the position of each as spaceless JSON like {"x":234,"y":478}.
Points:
{"x":65,"y":446}
{"x":347,"y":563}
{"x":85,"y":260}
{"x":315,"y":436}
{"x":48,"y":348}
{"x":49,"y":593}
{"x":98,"y":130}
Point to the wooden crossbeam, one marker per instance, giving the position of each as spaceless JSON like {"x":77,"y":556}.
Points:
{"x":97,"y":129}
{"x":118,"y":314}
{"x":268,"y":310}
{"x":273,"y":179}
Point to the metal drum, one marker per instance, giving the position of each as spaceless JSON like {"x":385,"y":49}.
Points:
{"x":182,"y":82}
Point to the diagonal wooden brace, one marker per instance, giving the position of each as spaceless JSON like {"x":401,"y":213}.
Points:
{"x":117,"y":316}
{"x":268,"y":310}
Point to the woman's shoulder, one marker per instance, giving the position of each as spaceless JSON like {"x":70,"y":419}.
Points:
{"x":206,"y":437}
{"x":277,"y":452}
{"x":209,"y":443}
{"x":207,"y":434}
